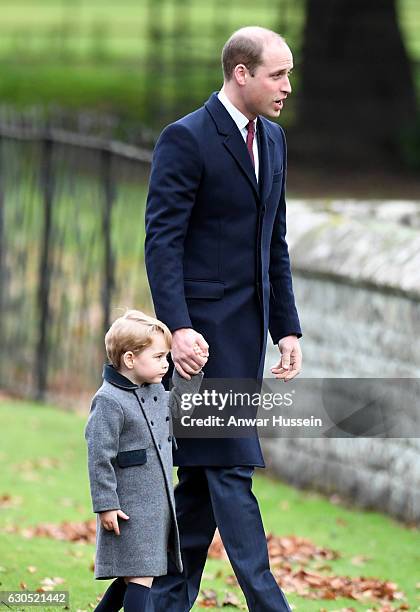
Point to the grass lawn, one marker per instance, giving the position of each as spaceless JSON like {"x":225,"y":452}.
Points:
{"x":44,"y":473}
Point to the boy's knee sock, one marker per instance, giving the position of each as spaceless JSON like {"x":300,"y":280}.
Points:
{"x":136,"y":597}
{"x":113,"y":598}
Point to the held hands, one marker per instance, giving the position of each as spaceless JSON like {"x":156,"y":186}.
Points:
{"x":290,"y":363}
{"x":109,"y":520}
{"x":189,"y":351}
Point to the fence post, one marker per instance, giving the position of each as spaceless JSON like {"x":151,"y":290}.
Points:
{"x":108,"y":278}
{"x":2,"y":252}
{"x":44,"y":274}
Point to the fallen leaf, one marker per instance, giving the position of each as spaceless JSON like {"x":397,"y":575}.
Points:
{"x":31,"y":569}
{"x":359,"y":560}
{"x":7,"y":501}
{"x":231,"y":600}
{"x":83,"y":531}
{"x":48,"y":584}
{"x":208,"y":599}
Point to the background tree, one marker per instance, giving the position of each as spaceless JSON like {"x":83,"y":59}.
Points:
{"x":357,"y":96}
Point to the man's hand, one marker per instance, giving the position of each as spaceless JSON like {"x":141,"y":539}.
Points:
{"x":290,"y":363}
{"x":189,"y":351}
{"x":109,"y":520}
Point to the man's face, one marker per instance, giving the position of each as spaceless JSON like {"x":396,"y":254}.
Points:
{"x":264,"y":92}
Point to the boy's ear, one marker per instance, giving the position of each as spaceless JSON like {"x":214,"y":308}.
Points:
{"x":127,"y":359}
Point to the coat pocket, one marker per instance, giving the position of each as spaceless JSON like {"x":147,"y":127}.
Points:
{"x":204,"y":289}
{"x":277,"y":176}
{"x":132,"y":457}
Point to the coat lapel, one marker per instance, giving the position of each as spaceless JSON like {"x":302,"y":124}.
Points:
{"x":233,"y":140}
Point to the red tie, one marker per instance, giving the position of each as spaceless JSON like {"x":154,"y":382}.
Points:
{"x":250,"y":140}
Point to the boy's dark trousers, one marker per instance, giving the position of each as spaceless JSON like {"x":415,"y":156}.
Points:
{"x":207,"y":497}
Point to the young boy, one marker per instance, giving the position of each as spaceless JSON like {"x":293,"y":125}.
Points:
{"x":130,"y":460}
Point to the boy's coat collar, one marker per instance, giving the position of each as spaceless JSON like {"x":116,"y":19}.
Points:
{"x":111,"y":375}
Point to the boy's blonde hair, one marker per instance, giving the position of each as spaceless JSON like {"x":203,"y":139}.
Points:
{"x":133,"y":331}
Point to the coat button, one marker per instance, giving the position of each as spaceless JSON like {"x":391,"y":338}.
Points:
{"x":155,"y":398}
{"x":151,"y":423}
{"x":167,"y":418}
{"x":159,"y":446}
{"x":169,"y":438}
{"x":142,"y":399}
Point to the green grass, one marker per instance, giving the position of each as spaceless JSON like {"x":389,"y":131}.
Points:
{"x":43,"y":469}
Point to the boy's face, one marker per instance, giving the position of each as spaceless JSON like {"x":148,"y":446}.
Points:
{"x":151,"y":364}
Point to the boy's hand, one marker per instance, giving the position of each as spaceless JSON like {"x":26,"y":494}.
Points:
{"x":109,"y":519}
{"x":200,"y":352}
{"x":186,"y":360}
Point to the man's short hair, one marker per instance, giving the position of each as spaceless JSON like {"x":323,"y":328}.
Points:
{"x":133,"y":331}
{"x":246,"y":46}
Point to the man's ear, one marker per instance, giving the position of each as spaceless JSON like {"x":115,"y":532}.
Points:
{"x":240,"y":73}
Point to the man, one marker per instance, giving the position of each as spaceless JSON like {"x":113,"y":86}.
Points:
{"x":219,"y":272}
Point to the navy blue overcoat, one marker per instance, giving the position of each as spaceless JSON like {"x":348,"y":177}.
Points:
{"x":216,"y":255}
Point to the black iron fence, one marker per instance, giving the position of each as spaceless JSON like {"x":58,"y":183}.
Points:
{"x":71,"y":254}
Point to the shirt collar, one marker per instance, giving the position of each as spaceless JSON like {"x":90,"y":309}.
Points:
{"x":238,"y":117}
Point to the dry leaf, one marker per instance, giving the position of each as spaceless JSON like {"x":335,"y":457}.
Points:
{"x":359,"y":560}
{"x":7,"y":501}
{"x":208,"y":599}
{"x":231,"y":600}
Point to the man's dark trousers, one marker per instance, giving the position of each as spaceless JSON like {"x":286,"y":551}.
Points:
{"x":210,"y":497}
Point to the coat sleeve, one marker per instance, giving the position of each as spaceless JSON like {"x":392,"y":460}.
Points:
{"x":102,"y":435}
{"x":283,"y":317}
{"x":174,"y":181}
{"x":181,"y":386}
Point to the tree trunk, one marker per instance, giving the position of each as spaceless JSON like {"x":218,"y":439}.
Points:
{"x":357,"y":94}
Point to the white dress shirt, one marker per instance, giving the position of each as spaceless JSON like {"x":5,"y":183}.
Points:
{"x":241,"y":121}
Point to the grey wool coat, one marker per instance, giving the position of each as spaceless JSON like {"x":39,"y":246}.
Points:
{"x":129,"y":442}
